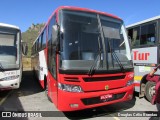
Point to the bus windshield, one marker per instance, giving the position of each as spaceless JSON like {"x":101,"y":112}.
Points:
{"x":9,"y":48}
{"x":89,"y":37}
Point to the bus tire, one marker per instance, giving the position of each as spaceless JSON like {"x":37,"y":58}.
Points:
{"x":149,"y":90}
{"x":46,"y":91}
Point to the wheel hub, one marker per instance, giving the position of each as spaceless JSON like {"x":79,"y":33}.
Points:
{"x":152,"y":90}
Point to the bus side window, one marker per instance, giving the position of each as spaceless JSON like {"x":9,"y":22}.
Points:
{"x":44,"y":39}
{"x":151,"y":38}
{"x":40,"y":42}
{"x":37,"y":42}
{"x":134,"y":33}
{"x":148,"y":34}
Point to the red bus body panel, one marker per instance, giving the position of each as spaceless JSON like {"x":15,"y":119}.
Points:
{"x":66,"y":98}
{"x":93,"y":90}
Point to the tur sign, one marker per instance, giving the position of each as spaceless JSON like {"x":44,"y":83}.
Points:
{"x":145,"y":55}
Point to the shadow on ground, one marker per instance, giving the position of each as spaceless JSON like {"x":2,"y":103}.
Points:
{"x":29,"y":84}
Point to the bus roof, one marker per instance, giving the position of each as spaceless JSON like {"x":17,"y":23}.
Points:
{"x":143,"y":21}
{"x":87,"y":10}
{"x":8,"y":26}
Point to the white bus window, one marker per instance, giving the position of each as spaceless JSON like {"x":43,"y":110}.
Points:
{"x":144,"y":35}
{"x":136,"y":40}
{"x":7,"y":40}
{"x":9,"y":49}
{"x":134,"y":33}
{"x":148,"y":34}
{"x":151,"y":38}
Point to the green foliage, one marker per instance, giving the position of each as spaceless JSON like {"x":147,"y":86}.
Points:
{"x":31,"y":34}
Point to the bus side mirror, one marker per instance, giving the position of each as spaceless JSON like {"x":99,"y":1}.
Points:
{"x":24,"y":48}
{"x":55,"y":34}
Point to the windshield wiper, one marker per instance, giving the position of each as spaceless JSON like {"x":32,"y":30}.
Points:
{"x":1,"y":67}
{"x":115,"y":56}
{"x":95,"y":65}
{"x":118,"y":61}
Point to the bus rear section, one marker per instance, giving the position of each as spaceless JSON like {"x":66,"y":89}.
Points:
{"x":88,"y":59}
{"x":10,"y":57}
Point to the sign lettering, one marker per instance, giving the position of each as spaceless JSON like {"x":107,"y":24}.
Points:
{"x":140,"y":56}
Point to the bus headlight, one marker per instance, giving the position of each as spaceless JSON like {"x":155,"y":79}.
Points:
{"x":130,"y":82}
{"x":69,"y":88}
{"x":9,"y":78}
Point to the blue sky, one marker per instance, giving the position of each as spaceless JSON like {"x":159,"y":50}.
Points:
{"x":25,"y":12}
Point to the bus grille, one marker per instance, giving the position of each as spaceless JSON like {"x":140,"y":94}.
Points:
{"x":94,"y":79}
{"x":97,"y":100}
{"x":70,"y":79}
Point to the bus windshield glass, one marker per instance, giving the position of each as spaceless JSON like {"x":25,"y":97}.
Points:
{"x":88,"y":37}
{"x":9,"y":48}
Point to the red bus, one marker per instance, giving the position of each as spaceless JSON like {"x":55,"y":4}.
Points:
{"x":82,"y":59}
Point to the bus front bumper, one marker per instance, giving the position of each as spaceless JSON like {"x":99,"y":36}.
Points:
{"x":10,"y":84}
{"x":68,"y":101}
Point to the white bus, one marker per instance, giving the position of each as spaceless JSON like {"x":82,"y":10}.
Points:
{"x":145,"y":41}
{"x":10,"y":57}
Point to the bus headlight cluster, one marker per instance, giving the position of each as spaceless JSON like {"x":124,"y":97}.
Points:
{"x":9,"y":78}
{"x":130,"y":82}
{"x":69,"y":88}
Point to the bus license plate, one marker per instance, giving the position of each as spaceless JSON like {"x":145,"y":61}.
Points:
{"x":104,"y":97}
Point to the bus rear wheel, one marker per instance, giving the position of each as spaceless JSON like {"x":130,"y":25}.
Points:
{"x":149,"y":90}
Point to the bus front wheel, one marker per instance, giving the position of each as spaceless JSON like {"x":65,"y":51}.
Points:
{"x":46,"y":92}
{"x":149,"y":90}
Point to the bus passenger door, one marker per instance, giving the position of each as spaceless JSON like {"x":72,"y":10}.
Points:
{"x":53,"y":87}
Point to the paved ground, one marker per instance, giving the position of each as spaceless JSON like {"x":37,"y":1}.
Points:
{"x":30,"y":97}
